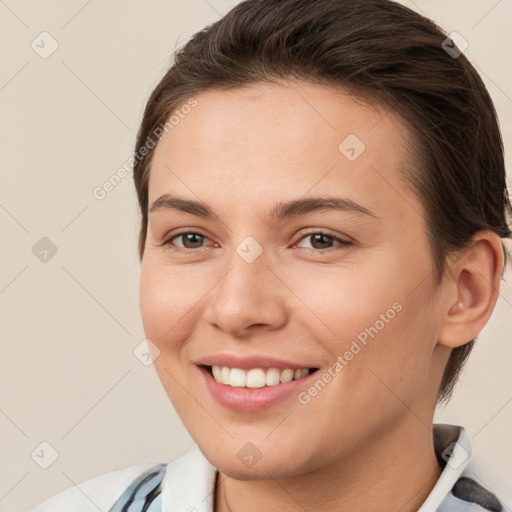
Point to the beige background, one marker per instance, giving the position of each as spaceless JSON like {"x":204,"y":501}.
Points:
{"x":69,"y":325}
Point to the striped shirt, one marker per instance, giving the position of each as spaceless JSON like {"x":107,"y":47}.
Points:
{"x":188,"y":484}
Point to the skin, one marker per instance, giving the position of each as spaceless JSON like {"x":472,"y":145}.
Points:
{"x":356,"y":445}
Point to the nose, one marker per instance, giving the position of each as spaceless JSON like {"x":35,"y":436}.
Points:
{"x":248,"y":297}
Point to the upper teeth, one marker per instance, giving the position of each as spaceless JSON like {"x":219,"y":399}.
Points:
{"x":256,"y":377}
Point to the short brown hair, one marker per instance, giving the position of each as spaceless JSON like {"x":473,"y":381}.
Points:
{"x":382,"y":51}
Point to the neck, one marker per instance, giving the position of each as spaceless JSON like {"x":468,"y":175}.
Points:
{"x":395,"y":471}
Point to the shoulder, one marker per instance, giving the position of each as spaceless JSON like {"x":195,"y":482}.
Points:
{"x":96,"y":493}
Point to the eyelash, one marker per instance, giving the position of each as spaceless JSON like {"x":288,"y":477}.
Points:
{"x":342,"y":243}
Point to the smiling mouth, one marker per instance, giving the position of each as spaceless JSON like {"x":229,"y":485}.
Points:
{"x":256,"y":377}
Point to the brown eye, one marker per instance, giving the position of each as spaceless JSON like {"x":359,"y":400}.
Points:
{"x":320,"y":240}
{"x":323,"y":241}
{"x":190,"y":240}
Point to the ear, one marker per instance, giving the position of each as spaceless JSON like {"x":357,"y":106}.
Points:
{"x":473,"y":290}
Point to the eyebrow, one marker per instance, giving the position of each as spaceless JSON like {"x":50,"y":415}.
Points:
{"x":280,"y":211}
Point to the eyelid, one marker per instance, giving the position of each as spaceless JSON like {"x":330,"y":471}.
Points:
{"x":324,"y":231}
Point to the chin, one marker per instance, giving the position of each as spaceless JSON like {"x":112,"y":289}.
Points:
{"x":260,"y":471}
{"x":229,"y":460}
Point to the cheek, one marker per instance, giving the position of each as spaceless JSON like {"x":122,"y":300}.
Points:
{"x":168,"y":317}
{"x":154,"y":304}
{"x":382,"y":330}
{"x":394,"y":347}
{"x":166,"y":305}
{"x":345,"y":302}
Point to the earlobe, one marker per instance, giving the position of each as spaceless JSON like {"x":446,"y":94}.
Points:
{"x":475,"y":282}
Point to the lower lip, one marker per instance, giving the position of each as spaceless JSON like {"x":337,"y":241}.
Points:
{"x":252,"y":399}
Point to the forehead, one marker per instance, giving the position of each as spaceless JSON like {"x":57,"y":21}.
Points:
{"x":249,"y":147}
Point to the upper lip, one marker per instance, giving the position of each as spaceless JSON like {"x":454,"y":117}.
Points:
{"x":248,"y":362}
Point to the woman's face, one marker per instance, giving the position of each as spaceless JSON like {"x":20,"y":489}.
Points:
{"x":342,"y":288}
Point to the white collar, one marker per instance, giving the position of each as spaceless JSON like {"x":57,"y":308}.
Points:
{"x":189,"y":482}
{"x":451,"y":444}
